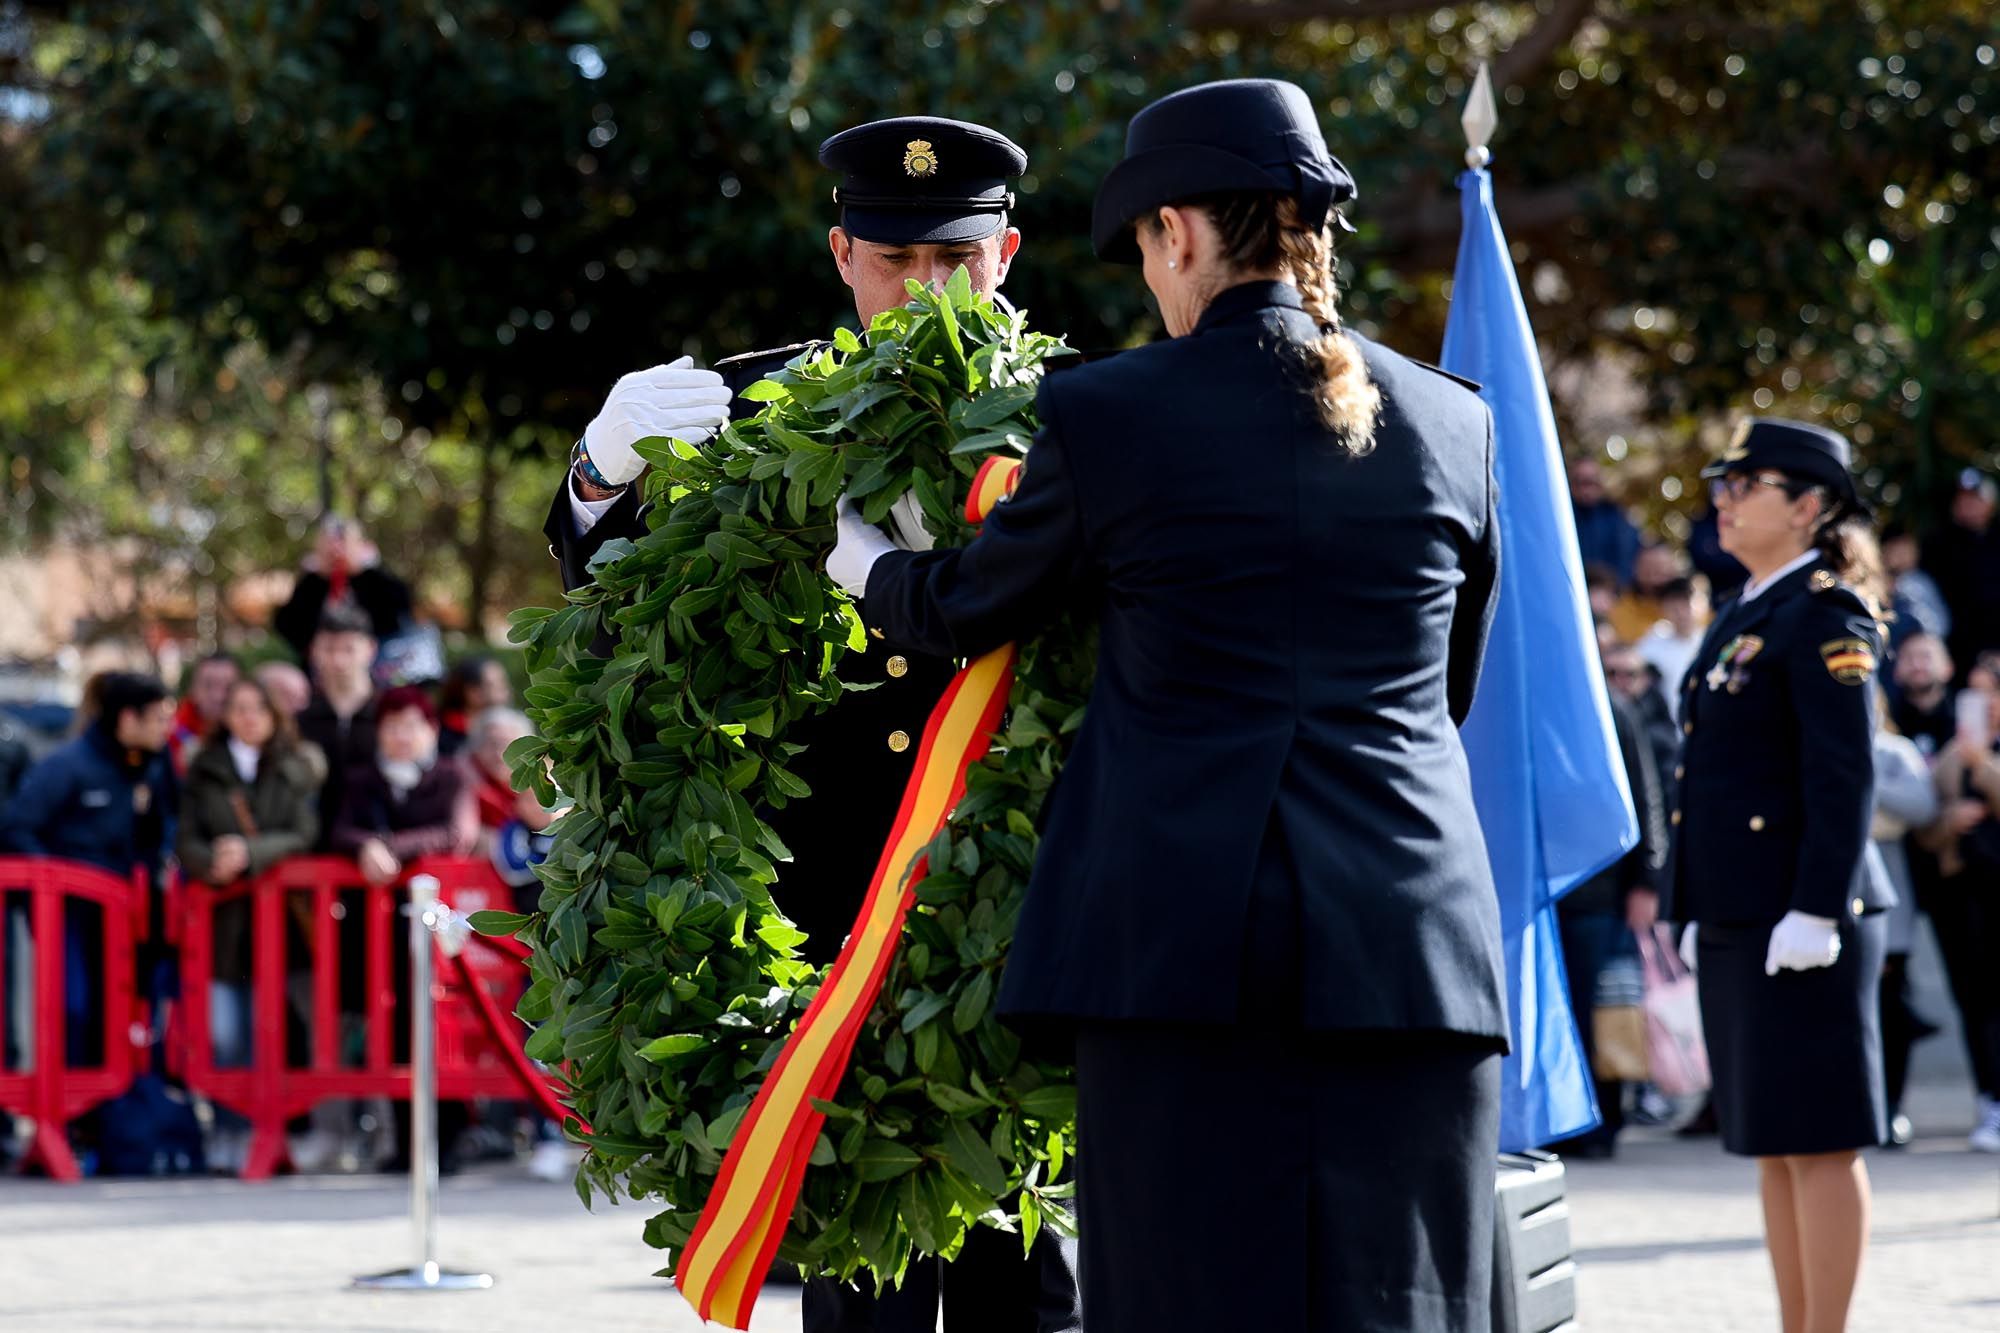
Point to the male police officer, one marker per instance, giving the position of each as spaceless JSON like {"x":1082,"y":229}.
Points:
{"x":919,"y":197}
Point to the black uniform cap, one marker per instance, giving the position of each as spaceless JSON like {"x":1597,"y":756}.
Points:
{"x":923,"y":180}
{"x":1237,"y":134}
{"x":1799,"y":449}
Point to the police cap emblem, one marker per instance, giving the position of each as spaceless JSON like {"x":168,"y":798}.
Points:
{"x":919,"y":158}
{"x":1738,"y":449}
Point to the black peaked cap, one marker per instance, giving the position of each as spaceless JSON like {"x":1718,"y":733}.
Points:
{"x":1796,"y":448}
{"x":923,"y":180}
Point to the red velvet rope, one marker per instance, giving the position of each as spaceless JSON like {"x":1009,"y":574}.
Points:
{"x":533,"y":1079}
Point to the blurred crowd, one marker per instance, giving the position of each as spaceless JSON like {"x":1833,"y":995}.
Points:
{"x":364,"y":745}
{"x":1937,"y":822}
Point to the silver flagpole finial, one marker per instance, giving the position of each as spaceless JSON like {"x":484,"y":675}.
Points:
{"x":1480,"y":119}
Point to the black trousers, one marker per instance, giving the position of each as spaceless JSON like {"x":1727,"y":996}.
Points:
{"x":989,"y":1288}
{"x":1967,"y":922}
{"x":1238,"y":1178}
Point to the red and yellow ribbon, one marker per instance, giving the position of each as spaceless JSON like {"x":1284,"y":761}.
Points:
{"x":722,"y":1269}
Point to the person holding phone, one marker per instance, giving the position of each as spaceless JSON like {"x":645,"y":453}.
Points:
{"x":1770,"y":835}
{"x":1966,"y":840}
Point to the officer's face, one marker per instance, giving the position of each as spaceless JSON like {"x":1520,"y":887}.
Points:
{"x":877,"y":271}
{"x":1757,"y":519}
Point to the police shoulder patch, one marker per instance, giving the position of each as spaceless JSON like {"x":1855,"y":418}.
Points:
{"x":1849,"y":661}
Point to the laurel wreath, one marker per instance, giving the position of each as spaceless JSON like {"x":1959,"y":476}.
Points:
{"x":664,"y":978}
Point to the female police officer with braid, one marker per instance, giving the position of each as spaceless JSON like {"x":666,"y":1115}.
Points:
{"x":1261,"y":906}
{"x":1769,"y":839}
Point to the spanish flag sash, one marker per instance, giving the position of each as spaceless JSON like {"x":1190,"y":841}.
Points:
{"x":722,"y":1269}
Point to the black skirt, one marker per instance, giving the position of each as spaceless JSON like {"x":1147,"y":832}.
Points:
{"x":1239,"y":1179}
{"x":1796,"y":1058}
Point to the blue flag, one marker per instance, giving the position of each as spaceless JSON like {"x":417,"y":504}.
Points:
{"x":1546,"y":771}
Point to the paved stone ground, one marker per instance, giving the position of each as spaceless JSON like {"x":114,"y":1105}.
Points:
{"x":1668,"y":1237}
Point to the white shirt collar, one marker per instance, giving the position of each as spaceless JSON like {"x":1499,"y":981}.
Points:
{"x":244,"y":756}
{"x":1755,"y":587}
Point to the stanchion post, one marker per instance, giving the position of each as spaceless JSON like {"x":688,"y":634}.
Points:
{"x":427,"y":917}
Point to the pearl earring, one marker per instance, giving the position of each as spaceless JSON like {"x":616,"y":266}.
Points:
{"x":1173,"y":263}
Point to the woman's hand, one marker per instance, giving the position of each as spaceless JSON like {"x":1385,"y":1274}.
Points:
{"x":1962,"y":816}
{"x":378,"y":864}
{"x":228,"y":859}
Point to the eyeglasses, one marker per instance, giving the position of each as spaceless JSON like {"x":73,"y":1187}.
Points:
{"x":1736,"y":486}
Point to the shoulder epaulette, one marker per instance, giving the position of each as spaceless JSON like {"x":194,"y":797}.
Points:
{"x":1473,"y":385}
{"x":1829,"y":585}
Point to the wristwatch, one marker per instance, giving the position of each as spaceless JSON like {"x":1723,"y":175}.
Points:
{"x":580,"y":461}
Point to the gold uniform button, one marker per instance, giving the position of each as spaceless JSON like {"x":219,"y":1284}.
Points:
{"x":1680,"y":771}
{"x":1859,"y":907}
{"x":898,"y":665}
{"x":876,"y":632}
{"x":899,"y":741}
{"x":1676,"y":817}
{"x":1756,"y":823}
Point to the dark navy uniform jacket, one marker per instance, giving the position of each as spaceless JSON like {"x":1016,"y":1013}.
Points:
{"x":859,"y":753}
{"x":1288,"y":637}
{"x":1778,"y":759}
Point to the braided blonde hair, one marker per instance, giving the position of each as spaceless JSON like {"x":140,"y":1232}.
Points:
{"x":1261,"y":231}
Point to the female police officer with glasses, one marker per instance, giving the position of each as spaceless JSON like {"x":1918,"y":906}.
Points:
{"x":1261,"y":907}
{"x":1769,"y":840}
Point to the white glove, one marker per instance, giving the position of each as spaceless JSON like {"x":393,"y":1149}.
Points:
{"x":672,"y":400}
{"x":859,"y":546}
{"x":1687,"y":945}
{"x":906,"y":516}
{"x":1800,"y":942}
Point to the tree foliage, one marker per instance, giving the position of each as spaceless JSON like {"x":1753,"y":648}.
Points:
{"x":507,"y":204}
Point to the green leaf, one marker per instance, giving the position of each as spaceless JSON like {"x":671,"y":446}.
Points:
{"x":885,"y":1159}
{"x":920,"y":1214}
{"x":967,"y":1152}
{"x":996,"y":405}
{"x":766,"y":391}
{"x":545,"y":1043}
{"x":1052,"y":1105}
{"x":723,"y":1127}
{"x":498,"y":923}
{"x":930,"y":1007}
{"x":667,"y":1047}
{"x":958,"y":289}
{"x":924,"y":1047}
{"x":972,"y":1005}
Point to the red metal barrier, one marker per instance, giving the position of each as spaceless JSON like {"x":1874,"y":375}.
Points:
{"x":318,"y":893}
{"x":47,"y":1090}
